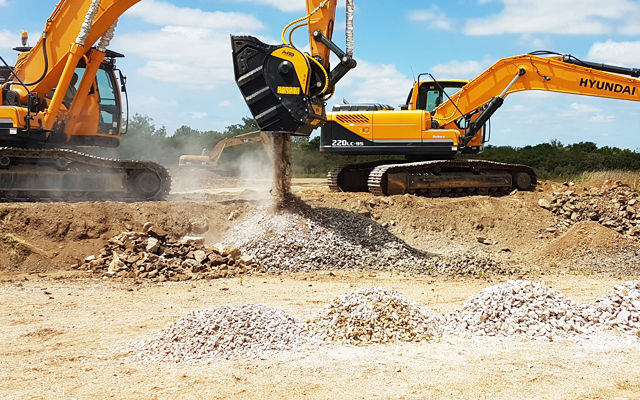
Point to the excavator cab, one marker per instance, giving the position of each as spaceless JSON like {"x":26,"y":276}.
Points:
{"x":101,"y":122}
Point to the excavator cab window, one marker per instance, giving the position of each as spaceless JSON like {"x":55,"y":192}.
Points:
{"x":431,"y":96}
{"x":110,"y":108}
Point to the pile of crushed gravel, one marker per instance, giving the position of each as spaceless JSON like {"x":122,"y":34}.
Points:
{"x":518,"y":308}
{"x":312,"y":239}
{"x":618,"y":309}
{"x":249,"y":331}
{"x":534,"y":310}
{"x":377,"y":315}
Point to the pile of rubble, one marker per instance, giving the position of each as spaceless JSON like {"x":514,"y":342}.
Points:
{"x":518,"y":308}
{"x":618,"y":309}
{"x":534,"y":310}
{"x":249,"y":331}
{"x":377,"y":315}
{"x":614,"y":205}
{"x":476,"y":266}
{"x":152,"y":255}
{"x":330,"y":239}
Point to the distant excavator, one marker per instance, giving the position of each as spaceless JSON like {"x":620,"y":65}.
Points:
{"x":211,"y":159}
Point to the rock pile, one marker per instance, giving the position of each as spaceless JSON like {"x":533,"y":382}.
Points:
{"x":534,"y":310}
{"x":377,"y":315}
{"x":330,"y":239}
{"x":477,"y":266}
{"x":618,"y":309}
{"x":614,"y":205}
{"x":518,"y":308}
{"x":249,"y":331}
{"x":152,"y":255}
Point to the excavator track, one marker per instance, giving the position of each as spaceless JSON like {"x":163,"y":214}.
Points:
{"x":68,"y":175}
{"x":352,"y":177}
{"x":450,"y":178}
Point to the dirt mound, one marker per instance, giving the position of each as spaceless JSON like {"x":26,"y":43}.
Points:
{"x":593,"y":246}
{"x":508,"y":226}
{"x":54,"y":236}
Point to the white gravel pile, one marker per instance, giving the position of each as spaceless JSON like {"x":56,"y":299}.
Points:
{"x":534,"y":310}
{"x":376,"y":315}
{"x":519,"y":308}
{"x":248,"y":331}
{"x":618,"y":309}
{"x":326,"y":238}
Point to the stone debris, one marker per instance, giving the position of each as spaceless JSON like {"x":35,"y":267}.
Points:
{"x":248,"y":331}
{"x":334,"y":239}
{"x":614,"y":205}
{"x":155,"y":256}
{"x":377,"y":315}
{"x":518,"y":308}
{"x":534,"y":310}
{"x":618,"y":309}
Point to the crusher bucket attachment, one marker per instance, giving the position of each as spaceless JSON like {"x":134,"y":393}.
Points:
{"x":279,"y":85}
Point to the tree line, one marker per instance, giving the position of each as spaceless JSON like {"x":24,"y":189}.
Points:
{"x":553,"y":160}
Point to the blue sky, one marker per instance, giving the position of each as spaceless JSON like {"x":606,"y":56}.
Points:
{"x":179,"y":64}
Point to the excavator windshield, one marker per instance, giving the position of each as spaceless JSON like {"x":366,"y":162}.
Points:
{"x":431,"y":95}
{"x":110,"y":108}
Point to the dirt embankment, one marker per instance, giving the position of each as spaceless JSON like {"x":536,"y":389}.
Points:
{"x":515,"y":230}
{"x":53,"y":236}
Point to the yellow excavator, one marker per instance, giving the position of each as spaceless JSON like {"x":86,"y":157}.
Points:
{"x":286,"y":91}
{"x":62,"y":94}
{"x":211,"y":159}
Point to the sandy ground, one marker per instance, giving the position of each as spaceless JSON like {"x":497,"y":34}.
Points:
{"x":60,"y":330}
{"x":59,"y":339}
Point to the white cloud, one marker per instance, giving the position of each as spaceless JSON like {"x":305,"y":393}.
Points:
{"x":162,"y":13}
{"x":198,"y":115}
{"x":286,"y":5}
{"x":460,"y":69}
{"x":192,"y":49}
{"x":370,"y":82}
{"x":3,"y":3}
{"x":616,"y":53}
{"x":8,"y":39}
{"x":586,"y":112}
{"x":225,"y":104}
{"x":434,"y":17}
{"x":588,"y":17}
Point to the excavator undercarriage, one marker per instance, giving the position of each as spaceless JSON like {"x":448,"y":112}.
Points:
{"x":67,"y":175}
{"x":432,"y":178}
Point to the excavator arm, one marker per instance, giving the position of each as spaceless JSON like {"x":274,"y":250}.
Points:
{"x":285,"y":88}
{"x":211,"y":159}
{"x":559,"y":73}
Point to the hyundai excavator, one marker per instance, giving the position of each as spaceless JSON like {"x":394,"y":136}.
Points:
{"x":286,"y":91}
{"x":62,"y":94}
